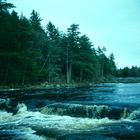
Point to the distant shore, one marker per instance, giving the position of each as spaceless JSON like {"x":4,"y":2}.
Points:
{"x":45,"y":85}
{"x":126,"y":80}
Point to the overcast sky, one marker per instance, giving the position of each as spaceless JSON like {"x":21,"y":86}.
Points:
{"x":114,"y":24}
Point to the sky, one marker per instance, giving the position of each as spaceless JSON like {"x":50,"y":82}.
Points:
{"x":114,"y":24}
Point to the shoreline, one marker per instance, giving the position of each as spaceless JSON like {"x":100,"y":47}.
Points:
{"x":45,"y":85}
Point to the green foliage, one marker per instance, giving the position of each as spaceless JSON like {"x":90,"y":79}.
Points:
{"x":85,"y":60}
{"x":35,"y":21}
{"x":30,"y":54}
{"x":4,"y":6}
{"x":71,"y":49}
{"x":53,"y":53}
{"x":134,"y":71}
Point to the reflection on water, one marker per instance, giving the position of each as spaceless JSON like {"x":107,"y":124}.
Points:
{"x":103,"y":112}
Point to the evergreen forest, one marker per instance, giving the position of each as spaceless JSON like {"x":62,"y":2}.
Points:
{"x":33,"y":54}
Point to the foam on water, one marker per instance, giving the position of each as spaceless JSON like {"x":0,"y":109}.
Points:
{"x":4,"y":100}
{"x":25,"y":124}
{"x":21,"y":134}
{"x":5,"y":116}
{"x":53,"y":121}
{"x":29,"y":118}
{"x":22,"y":108}
{"x":10,"y":89}
{"x":29,"y":134}
{"x":68,"y":117}
{"x":135,"y":115}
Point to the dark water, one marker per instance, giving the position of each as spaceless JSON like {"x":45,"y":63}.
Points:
{"x":103,"y":112}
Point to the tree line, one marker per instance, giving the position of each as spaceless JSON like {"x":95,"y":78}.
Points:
{"x":30,"y":53}
{"x":134,"y":71}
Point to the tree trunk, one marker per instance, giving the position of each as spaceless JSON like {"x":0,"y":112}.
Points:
{"x":68,"y":80}
{"x":23,"y":80}
{"x":102,"y":71}
{"x":6,"y":76}
{"x":67,"y":65}
{"x":70,"y":73}
{"x":81,"y":75}
{"x":49,"y":69}
{"x":24,"y":75}
{"x":42,"y":67}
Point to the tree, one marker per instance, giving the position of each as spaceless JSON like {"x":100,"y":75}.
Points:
{"x":112,"y":65}
{"x":4,"y":6}
{"x":85,"y":63}
{"x":39,"y":40}
{"x":30,"y":54}
{"x":53,"y":52}
{"x":35,"y":21}
{"x":101,"y":58}
{"x":25,"y":37}
{"x":73,"y":40}
{"x":134,"y":71}
{"x":10,"y":48}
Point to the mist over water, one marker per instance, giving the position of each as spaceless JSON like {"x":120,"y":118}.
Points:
{"x":103,"y":112}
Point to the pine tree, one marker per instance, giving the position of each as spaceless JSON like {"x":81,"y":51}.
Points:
{"x":85,"y":61}
{"x":53,"y":52}
{"x":73,"y":40}
{"x":102,"y":59}
{"x":4,"y":6}
{"x":35,"y":21}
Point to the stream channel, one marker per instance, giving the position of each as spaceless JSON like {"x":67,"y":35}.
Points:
{"x":109,"y":111}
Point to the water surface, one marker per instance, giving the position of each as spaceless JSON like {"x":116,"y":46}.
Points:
{"x":103,"y":112}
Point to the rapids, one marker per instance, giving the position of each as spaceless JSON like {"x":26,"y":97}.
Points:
{"x":103,"y":112}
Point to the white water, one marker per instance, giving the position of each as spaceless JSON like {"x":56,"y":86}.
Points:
{"x":29,"y":122}
{"x":26,"y":123}
{"x":50,"y":122}
{"x":53,"y":121}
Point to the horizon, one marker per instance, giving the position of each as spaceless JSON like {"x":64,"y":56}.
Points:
{"x":111,"y":24}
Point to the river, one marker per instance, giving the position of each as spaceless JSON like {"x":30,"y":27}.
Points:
{"x":108,"y":111}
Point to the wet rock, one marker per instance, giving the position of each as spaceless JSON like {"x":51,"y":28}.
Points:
{"x":85,"y":111}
